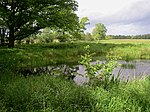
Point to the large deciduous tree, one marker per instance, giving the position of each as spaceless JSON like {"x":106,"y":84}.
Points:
{"x":99,"y":32}
{"x":25,"y":17}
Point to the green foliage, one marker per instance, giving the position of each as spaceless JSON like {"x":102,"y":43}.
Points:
{"x":86,"y":60}
{"x":127,"y":97}
{"x":37,"y":55}
{"x":48,"y":34}
{"x":47,"y":93}
{"x":83,"y":22}
{"x":88,"y":37}
{"x":99,"y":32}
{"x":79,"y":33}
{"x":33,"y":15}
{"x":42,"y":93}
{"x":108,"y":37}
{"x":105,"y":77}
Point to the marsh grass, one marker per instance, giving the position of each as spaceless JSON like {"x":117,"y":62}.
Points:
{"x":127,"y":97}
{"x":48,"y":93}
{"x":128,"y":66}
{"x":43,"y":93}
{"x":38,"y":55}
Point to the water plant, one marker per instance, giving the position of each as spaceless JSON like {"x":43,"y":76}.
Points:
{"x":99,"y":72}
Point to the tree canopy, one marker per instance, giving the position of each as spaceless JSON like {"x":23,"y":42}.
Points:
{"x":26,"y":17}
{"x":83,"y":22}
{"x":99,"y":32}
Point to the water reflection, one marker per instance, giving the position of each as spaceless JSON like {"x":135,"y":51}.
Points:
{"x":141,"y":68}
{"x":129,"y":70}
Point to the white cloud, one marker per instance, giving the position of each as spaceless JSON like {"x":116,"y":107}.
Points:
{"x":119,"y":16}
{"x":129,"y":29}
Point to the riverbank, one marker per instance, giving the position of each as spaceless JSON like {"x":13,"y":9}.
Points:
{"x":69,"y":53}
{"x":43,"y":92}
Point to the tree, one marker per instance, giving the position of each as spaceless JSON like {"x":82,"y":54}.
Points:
{"x":49,"y":35}
{"x":3,"y":30}
{"x":88,"y":37}
{"x":83,"y":22}
{"x":2,"y":36}
{"x":26,"y":17}
{"x":81,"y":28}
{"x":99,"y":32}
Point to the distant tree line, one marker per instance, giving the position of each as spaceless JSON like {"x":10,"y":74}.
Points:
{"x":145,"y":36}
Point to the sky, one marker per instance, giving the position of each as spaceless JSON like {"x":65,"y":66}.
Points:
{"x":121,"y":17}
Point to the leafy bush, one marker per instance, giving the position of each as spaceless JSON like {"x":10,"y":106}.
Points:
{"x":104,"y":71}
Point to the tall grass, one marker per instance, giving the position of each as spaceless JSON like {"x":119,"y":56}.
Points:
{"x":43,"y":93}
{"x":69,"y":53}
{"x":127,"y":97}
{"x":48,"y":94}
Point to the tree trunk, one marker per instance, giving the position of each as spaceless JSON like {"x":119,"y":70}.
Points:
{"x":11,"y":43}
{"x":2,"y":37}
{"x":2,"y":31}
{"x":2,"y":41}
{"x":11,"y":27}
{"x":11,"y":38}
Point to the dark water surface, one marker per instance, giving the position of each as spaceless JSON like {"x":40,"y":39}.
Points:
{"x":128,"y":70}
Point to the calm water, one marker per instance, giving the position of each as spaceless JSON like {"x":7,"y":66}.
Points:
{"x":129,"y":70}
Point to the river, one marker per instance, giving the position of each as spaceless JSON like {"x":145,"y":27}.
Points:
{"x":128,"y":70}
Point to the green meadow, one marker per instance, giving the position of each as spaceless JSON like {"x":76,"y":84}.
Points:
{"x":48,"y":93}
{"x":69,"y":53}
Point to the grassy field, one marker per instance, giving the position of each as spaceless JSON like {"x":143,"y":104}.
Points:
{"x":69,"y":53}
{"x":130,"y":49}
{"x":55,"y":94}
{"x":132,"y":41}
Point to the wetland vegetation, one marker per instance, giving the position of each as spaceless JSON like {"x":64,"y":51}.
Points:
{"x":42,"y":44}
{"x":45,"y":92}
